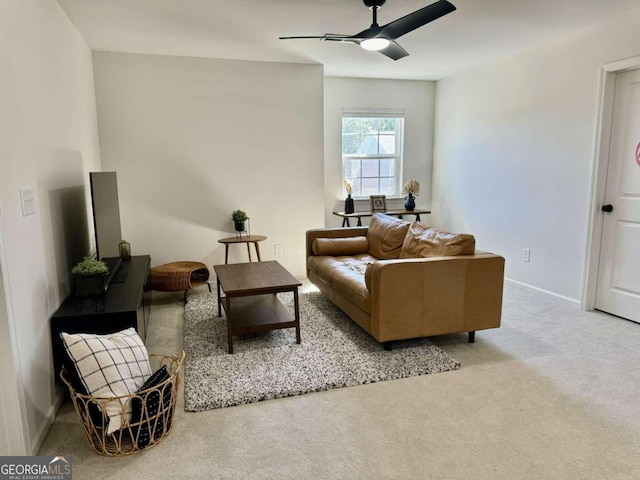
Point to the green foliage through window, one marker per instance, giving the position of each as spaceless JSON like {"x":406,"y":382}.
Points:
{"x":372,"y":154}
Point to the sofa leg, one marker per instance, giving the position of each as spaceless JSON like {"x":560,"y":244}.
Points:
{"x":472,"y":337}
{"x":387,"y":346}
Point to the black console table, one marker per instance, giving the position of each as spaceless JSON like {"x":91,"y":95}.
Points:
{"x":125,"y":304}
{"x":359,"y":215}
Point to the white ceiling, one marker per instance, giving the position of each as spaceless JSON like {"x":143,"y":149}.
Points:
{"x":479,"y":31}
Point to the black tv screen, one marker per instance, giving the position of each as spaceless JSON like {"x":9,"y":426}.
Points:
{"x":106,"y":214}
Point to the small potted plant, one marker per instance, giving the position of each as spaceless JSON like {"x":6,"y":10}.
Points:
{"x":88,"y":277}
{"x":239,"y":217}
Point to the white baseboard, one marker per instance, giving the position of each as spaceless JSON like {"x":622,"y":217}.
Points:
{"x":569,"y":299}
{"x":45,"y":426}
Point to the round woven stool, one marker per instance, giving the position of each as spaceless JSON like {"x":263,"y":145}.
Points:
{"x":178,"y":277}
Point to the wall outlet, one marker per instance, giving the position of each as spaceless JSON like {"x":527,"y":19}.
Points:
{"x":279,"y":249}
{"x":526,"y":255}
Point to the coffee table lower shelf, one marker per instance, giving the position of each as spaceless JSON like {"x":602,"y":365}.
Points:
{"x":257,"y":313}
{"x":250,"y":299}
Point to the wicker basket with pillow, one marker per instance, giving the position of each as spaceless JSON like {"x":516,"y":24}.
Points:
{"x":125,"y":397}
{"x":152,"y":410}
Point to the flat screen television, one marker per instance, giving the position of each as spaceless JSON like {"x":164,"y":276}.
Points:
{"x":106,"y":219}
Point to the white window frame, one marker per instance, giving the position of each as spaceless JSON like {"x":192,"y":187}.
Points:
{"x":399,"y":147}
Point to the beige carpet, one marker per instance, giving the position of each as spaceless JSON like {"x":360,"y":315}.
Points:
{"x":553,"y":394}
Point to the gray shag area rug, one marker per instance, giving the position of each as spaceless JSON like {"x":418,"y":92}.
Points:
{"x":335,"y":352}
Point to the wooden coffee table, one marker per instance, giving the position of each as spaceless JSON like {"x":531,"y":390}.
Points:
{"x":250,"y":300}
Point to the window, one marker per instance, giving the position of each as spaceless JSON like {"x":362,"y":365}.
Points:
{"x":372,"y":150}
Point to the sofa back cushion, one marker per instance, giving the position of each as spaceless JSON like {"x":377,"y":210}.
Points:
{"x":424,"y":241}
{"x":340,"y":246}
{"x":385,"y":236}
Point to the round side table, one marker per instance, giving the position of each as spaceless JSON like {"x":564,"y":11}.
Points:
{"x":247,"y":240}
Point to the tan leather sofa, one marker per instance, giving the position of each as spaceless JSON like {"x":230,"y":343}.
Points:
{"x":401,"y":280}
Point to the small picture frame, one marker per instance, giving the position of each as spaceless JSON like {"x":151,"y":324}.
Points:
{"x":378,"y":203}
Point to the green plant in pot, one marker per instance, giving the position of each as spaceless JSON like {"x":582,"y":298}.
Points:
{"x":89,"y":276}
{"x":239,"y":217}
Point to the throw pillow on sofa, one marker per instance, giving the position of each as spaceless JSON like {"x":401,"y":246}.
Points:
{"x":385,"y":236}
{"x":424,"y":241}
{"x":111,"y":365}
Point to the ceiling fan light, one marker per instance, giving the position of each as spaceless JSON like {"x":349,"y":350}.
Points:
{"x":376,"y":43}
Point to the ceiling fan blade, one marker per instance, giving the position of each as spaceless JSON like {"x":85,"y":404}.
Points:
{"x":343,"y":40}
{"x":414,"y":20}
{"x":326,"y":36}
{"x":394,"y":51}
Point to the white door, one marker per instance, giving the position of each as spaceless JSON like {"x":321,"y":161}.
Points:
{"x":618,"y":290}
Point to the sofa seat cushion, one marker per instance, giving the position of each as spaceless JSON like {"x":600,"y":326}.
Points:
{"x":385,"y":236}
{"x":324,"y":265}
{"x":346,"y":276}
{"x":424,"y":241}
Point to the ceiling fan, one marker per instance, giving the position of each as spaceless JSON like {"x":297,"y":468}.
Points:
{"x":383,"y":38}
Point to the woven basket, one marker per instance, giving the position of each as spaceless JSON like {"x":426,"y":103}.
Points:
{"x":130,"y":439}
{"x":177,"y":276}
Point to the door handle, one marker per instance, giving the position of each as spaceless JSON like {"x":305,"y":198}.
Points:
{"x":608,"y":208}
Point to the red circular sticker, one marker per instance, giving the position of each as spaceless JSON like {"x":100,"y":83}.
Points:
{"x":638,"y":154}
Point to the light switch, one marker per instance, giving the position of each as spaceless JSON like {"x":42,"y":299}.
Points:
{"x":28,"y":202}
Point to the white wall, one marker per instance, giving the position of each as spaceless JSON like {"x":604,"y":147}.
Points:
{"x":48,"y":142}
{"x":514,"y":153}
{"x":13,"y":439}
{"x":193,"y":139}
{"x":415,"y":97}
